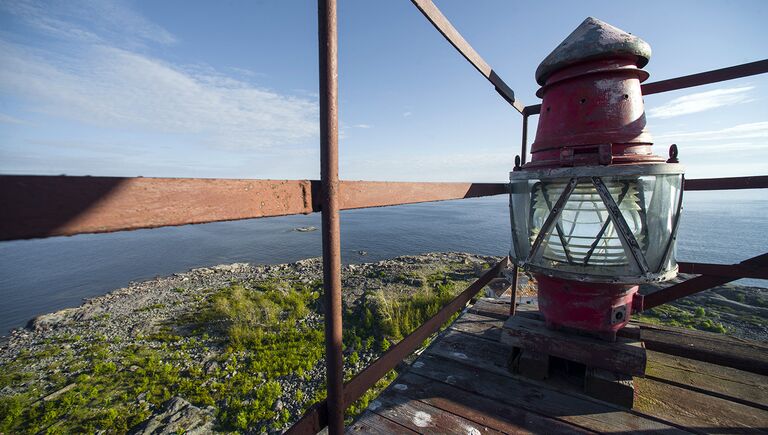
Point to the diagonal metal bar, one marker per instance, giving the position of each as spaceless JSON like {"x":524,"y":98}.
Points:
{"x":453,"y":36}
{"x":316,"y":417}
{"x":625,"y":235}
{"x":603,"y":228}
{"x":554,"y":214}
{"x":700,"y":283}
{"x":558,"y":227}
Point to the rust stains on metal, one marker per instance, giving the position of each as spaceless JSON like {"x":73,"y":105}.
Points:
{"x":40,"y":206}
{"x":329,"y":183}
{"x":363,"y":194}
{"x":43,"y":206}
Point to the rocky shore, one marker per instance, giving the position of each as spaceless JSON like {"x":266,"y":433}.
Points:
{"x":101,"y":366}
{"x":239,"y":347}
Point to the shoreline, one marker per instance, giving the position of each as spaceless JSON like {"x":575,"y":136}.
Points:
{"x":168,"y":348}
{"x":113,"y":347}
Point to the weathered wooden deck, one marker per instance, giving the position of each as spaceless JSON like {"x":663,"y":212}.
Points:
{"x":461,"y":384}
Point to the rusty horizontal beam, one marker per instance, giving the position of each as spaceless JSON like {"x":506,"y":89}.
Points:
{"x":43,"y":206}
{"x":729,"y":183}
{"x":735,"y":271}
{"x":700,"y":283}
{"x":705,"y":78}
{"x":441,"y":23}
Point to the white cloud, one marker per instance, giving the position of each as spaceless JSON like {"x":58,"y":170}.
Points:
{"x":8,"y":119}
{"x":102,"y":21}
{"x":113,"y":87}
{"x":754,"y":132}
{"x":407,"y":114}
{"x":362,"y":126}
{"x":701,"y":101}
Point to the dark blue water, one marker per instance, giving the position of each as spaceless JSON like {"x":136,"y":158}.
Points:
{"x":40,"y":276}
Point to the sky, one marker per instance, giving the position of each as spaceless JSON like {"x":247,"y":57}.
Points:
{"x":178,"y":88}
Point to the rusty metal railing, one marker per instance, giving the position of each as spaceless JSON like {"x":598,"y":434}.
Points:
{"x":41,"y":206}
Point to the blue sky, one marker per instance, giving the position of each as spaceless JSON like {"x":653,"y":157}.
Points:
{"x":229,"y":89}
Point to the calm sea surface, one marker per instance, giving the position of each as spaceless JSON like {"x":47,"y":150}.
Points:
{"x":40,"y":276}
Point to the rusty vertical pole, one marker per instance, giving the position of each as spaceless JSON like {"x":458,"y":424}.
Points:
{"x":329,"y":180}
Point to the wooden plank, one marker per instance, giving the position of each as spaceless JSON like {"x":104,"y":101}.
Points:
{"x":490,"y":308}
{"x":623,"y":355}
{"x":695,"y":410}
{"x":582,"y":412}
{"x":490,"y":413}
{"x":44,"y":206}
{"x":485,"y":354}
{"x":422,"y":417}
{"x":372,"y":423}
{"x":708,"y":347}
{"x":612,"y":387}
{"x":735,"y":385}
{"x":479,"y":326}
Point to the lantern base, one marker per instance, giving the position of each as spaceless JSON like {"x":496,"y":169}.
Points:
{"x":593,"y":308}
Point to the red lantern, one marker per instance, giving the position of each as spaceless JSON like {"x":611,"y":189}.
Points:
{"x":594,"y":213}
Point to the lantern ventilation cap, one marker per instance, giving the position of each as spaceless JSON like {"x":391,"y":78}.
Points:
{"x":593,"y":39}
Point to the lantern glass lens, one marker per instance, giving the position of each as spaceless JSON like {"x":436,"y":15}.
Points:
{"x":585,"y":237}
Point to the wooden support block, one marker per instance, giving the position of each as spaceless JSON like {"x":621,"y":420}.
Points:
{"x":612,"y":387}
{"x":529,"y":363}
{"x":624,"y":355}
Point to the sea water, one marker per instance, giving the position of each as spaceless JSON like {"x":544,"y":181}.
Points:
{"x":40,"y":276}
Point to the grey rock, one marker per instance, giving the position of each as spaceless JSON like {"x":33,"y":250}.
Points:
{"x":178,"y":416}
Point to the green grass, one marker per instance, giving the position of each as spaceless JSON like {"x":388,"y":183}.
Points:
{"x":259,"y":333}
{"x":671,"y":315}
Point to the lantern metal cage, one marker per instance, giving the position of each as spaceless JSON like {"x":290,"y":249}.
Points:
{"x":608,"y":224}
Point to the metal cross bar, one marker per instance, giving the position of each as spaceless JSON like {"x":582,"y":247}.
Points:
{"x":627,"y":238}
{"x":700,"y":283}
{"x":552,"y":217}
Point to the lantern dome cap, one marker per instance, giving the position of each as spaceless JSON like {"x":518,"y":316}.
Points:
{"x":593,"y":39}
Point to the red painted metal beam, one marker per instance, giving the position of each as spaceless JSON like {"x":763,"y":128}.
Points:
{"x":730,"y":183}
{"x":42,"y":206}
{"x":700,"y":283}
